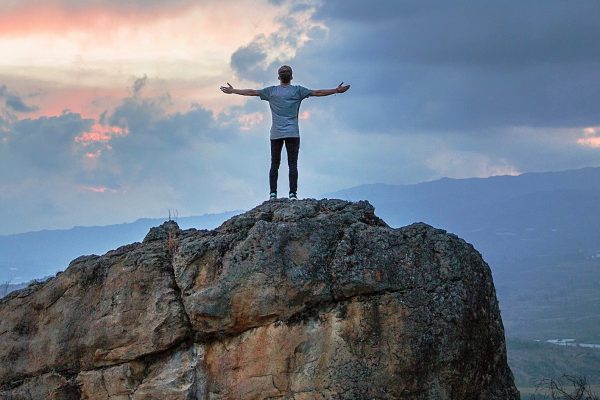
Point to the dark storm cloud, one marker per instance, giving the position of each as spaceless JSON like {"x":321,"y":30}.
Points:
{"x":147,"y":120}
{"x":496,"y":33}
{"x":247,"y":61}
{"x":153,"y":144}
{"x":252,"y":61}
{"x":157,"y":142}
{"x":439,"y":65}
{"x":40,"y":148}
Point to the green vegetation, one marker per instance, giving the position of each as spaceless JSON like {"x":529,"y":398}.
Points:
{"x":531,"y":362}
{"x":549,"y":298}
{"x":566,"y":387}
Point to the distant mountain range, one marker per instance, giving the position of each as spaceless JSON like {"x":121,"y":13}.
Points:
{"x":546,"y":214}
{"x":35,"y":255}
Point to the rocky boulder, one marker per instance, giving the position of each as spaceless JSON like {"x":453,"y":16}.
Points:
{"x":295,"y":300}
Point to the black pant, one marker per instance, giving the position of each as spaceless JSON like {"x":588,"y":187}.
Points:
{"x":292,"y":146}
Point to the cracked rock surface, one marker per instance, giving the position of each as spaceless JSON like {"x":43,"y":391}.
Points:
{"x":291,"y":300}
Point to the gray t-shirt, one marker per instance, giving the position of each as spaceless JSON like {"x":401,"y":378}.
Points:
{"x":285,"y":103}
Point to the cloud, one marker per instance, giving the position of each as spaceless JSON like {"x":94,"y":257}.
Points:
{"x":29,"y":17}
{"x":138,"y":85}
{"x":591,"y":137}
{"x":492,"y":33}
{"x":249,"y":61}
{"x":14,"y":102}
{"x":75,"y":4}
{"x":590,"y":141}
{"x":447,"y":66}
{"x":130,"y":162}
{"x":463,"y":164}
{"x":90,"y":54}
{"x":39,"y":148}
{"x":258,"y":60}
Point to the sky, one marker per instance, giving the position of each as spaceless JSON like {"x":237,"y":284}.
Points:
{"x":111,"y":111}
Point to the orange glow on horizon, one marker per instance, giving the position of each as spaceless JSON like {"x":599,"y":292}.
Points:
{"x":589,"y":141}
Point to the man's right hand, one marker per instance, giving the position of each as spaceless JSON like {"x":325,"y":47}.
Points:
{"x":243,"y":92}
{"x":227,"y":89}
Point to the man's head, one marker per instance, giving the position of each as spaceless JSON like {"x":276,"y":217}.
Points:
{"x":285,"y":74}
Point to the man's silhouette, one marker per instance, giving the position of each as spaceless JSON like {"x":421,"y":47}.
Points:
{"x":284,"y":100}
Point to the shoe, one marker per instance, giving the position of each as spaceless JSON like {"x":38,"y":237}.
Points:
{"x":293,"y":196}
{"x":273,"y":196}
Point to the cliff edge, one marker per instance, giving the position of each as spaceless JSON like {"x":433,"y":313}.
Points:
{"x":293,"y":300}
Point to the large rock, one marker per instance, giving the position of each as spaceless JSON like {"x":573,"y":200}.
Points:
{"x":295,"y":300}
{"x":100,"y":311}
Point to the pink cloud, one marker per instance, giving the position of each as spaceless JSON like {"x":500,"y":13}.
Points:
{"x":89,"y":102}
{"x":98,"y":137}
{"x":100,"y":133}
{"x":591,"y":136}
{"x":591,"y":130}
{"x":179,"y":24}
{"x":589,"y":141}
{"x":60,"y":18}
{"x":91,"y":50}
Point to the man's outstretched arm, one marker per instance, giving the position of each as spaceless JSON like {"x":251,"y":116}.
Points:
{"x":327,"y":92}
{"x":244,"y":92}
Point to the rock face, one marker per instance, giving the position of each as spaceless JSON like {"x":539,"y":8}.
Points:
{"x":293,"y":300}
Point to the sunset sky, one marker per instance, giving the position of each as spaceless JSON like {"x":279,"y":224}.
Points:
{"x":111,"y":110}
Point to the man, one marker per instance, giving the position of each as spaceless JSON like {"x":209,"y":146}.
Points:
{"x":284,"y":101}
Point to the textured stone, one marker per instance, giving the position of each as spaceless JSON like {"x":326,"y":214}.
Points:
{"x":339,"y":350}
{"x":179,"y":375}
{"x":100,"y":311}
{"x":292,"y":300}
{"x":118,"y":382}
{"x":51,"y":386}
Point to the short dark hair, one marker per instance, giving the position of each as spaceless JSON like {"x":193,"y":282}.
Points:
{"x":285,"y":73}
